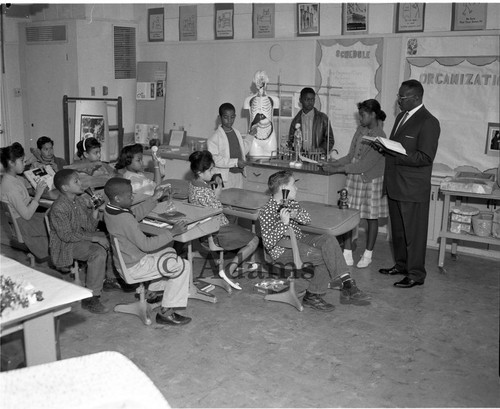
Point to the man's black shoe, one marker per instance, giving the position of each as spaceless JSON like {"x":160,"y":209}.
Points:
{"x":407,"y":283}
{"x":391,"y":271}
{"x":172,"y":319}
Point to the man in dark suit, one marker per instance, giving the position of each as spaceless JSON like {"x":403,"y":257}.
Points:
{"x":407,"y":183}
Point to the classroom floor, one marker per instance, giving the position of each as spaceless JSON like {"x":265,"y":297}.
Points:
{"x":431,"y":346}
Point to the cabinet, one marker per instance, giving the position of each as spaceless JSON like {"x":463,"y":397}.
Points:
{"x":446,"y":234}
{"x":313,"y":187}
{"x":173,"y":169}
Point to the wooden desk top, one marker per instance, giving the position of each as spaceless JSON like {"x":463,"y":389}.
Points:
{"x":56,"y":293}
{"x":205,"y":215}
{"x":244,"y":199}
{"x":324,"y":218}
{"x":330,"y":219}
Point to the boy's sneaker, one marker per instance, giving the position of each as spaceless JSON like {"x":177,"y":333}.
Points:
{"x":316,"y":302}
{"x":353,"y":295}
{"x":94,"y":305}
{"x":364,"y":262}
{"x":348,"y":258}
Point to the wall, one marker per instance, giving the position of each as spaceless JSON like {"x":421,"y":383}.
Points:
{"x":90,"y":38}
{"x":13,"y":122}
{"x":204,"y":73}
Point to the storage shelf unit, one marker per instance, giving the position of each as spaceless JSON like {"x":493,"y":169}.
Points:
{"x":447,"y":234}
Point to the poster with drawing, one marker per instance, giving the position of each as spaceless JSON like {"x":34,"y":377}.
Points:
{"x":91,"y":120}
{"x":92,"y":126}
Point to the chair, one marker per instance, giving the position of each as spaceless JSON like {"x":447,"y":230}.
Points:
{"x":16,"y":239}
{"x":290,"y":295}
{"x":222,"y":281}
{"x":140,"y":308}
{"x":74,"y":269}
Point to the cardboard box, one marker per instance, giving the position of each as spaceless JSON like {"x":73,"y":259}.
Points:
{"x":457,"y":227}
{"x":462,"y":218}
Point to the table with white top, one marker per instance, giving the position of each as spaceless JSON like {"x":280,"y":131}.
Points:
{"x":102,"y":380}
{"x":37,"y":321}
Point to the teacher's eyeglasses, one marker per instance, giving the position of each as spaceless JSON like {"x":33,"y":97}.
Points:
{"x":400,"y":98}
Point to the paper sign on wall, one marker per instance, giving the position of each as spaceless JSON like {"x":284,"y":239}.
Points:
{"x":146,"y":91}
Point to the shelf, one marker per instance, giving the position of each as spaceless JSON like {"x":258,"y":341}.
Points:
{"x":470,"y":237}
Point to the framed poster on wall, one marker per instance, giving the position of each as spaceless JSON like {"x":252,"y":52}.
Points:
{"x":224,"y":21}
{"x":493,"y":139}
{"x":410,"y":17}
{"x":156,"y":27}
{"x":354,"y":18}
{"x":188,"y":23}
{"x":263,"y":20}
{"x":92,"y":126}
{"x":468,"y":16}
{"x":308,"y":19}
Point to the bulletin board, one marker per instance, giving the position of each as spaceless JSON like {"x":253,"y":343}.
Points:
{"x":355,"y":66}
{"x":461,"y":81}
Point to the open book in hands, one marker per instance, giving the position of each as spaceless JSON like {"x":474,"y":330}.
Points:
{"x":45,"y":173}
{"x":387,"y":144}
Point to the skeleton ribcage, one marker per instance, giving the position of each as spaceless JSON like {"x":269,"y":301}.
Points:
{"x":262,"y":106}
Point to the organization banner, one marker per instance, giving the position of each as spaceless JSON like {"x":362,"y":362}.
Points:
{"x":464,"y":94}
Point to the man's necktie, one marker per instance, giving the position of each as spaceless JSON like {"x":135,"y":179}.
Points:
{"x":405,"y":116}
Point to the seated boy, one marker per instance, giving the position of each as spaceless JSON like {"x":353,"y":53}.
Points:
{"x":73,"y":235}
{"x":44,"y":155}
{"x":142,"y":253}
{"x":322,"y":252}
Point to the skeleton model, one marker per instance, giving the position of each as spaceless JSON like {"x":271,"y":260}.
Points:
{"x":297,"y":144}
{"x":261,"y":106}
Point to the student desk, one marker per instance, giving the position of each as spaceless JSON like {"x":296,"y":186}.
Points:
{"x":37,"y":320}
{"x":206,"y":224}
{"x":325,"y":219}
{"x":103,"y":380}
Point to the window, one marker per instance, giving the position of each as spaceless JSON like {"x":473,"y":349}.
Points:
{"x":124,"y":49}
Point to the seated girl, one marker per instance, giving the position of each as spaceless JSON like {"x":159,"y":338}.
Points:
{"x":89,"y":151}
{"x":204,"y":192}
{"x":14,"y":192}
{"x":131,"y":166}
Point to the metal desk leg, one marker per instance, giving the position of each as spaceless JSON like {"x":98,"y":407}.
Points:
{"x":194,"y":292}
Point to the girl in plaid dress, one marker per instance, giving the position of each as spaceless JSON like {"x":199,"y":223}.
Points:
{"x":364,"y":166}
